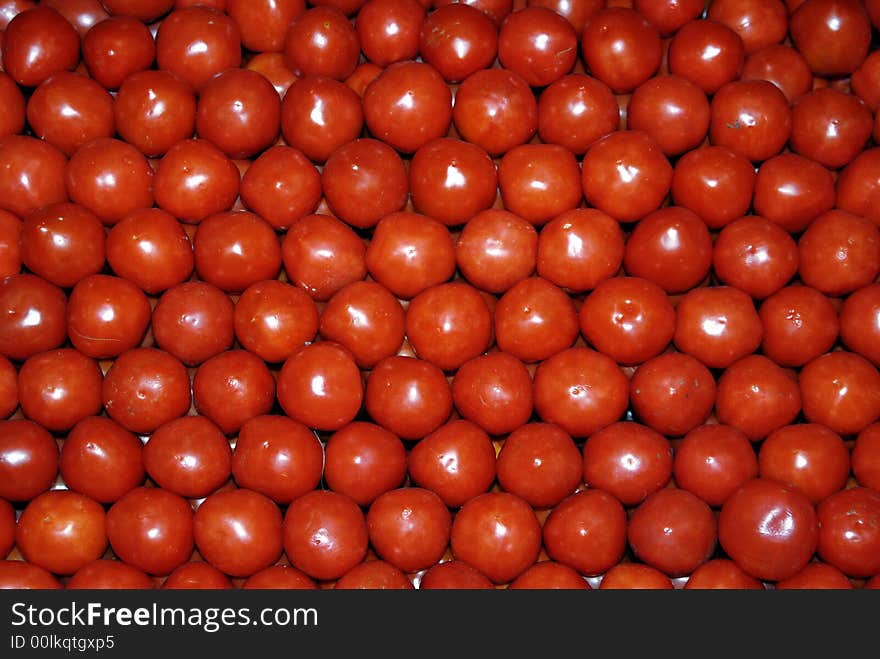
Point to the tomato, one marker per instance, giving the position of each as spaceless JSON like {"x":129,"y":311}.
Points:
{"x":672,"y":110}
{"x":235,"y":249}
{"x":407,"y":396}
{"x":586,"y":531}
{"x":364,"y":317}
{"x":449,"y":324}
{"x":819,"y":30}
{"x":539,"y":181}
{"x":807,"y":456}
{"x":195,"y":179}
{"x":322,"y":255}
{"x":458,"y":39}
{"x":755,"y":255}
{"x":495,"y":109}
{"x":68,"y":110}
{"x":409,"y":528}
{"x":14,"y":103}
{"x":196,"y":575}
{"x":714,"y":182}
{"x":144,"y":388}
{"x":105,"y":573}
{"x":388,"y":30}
{"x":717,"y":325}
{"x":8,"y":388}
{"x":117,"y":47}
{"x":39,"y":42}
{"x":757,"y":396}
{"x":771,"y":530}
{"x":670,"y":15}
{"x":28,"y":460}
{"x":151,"y":529}
{"x":364,"y":180}
{"x":782,"y":65}
{"x":581,"y":391}
{"x":325,"y":534}
{"x":454,"y":575}
{"x":752,"y":117}
{"x":63,"y":243}
{"x":866,"y":457}
{"x":497,"y":249}
{"x":792,"y":191}
{"x":498,"y":534}
{"x":841,"y":390}
{"x":830,"y":127}
{"x":708,"y":53}
{"x":535,"y":320}
{"x":281,"y":186}
{"x":61,"y":531}
{"x":280,"y":577}
{"x":319,"y":385}
{"x":188,"y":456}
{"x":759,"y":24}
{"x":58,"y":388}
{"x":362,"y":460}
{"x":721,"y":574}
{"x":634,"y":576}
{"x":107,"y":316}
{"x":278,"y":457}
{"x":31,"y":176}
{"x":238,"y":531}
{"x":621,"y":48}
{"x":24,"y":575}
{"x":629,"y":319}
{"x":240,"y":112}
{"x":673,"y":531}
{"x":672,"y":393}
{"x":713,"y":461}
{"x":232,"y":387}
{"x":854,"y":243}
{"x":537,"y":43}
{"x":10,"y":249}
{"x":857,"y":185}
{"x":628,"y":460}
{"x":814,"y":576}
{"x":102,"y":460}
{"x":263,"y":25}
{"x":374,"y":575}
{"x":194,"y":43}
{"x":494,"y":391}
{"x":563,"y":105}
{"x":321,"y":41}
{"x":548,"y":575}
{"x":848,"y":534}
{"x":626,"y":175}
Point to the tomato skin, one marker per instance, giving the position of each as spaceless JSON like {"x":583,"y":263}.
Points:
{"x":866,"y":457}
{"x":672,"y":530}
{"x":108,"y":574}
{"x":374,"y":575}
{"x":581,"y":391}
{"x":151,"y":529}
{"x":497,"y":249}
{"x":454,"y":575}
{"x":800,"y":324}
{"x":39,"y":42}
{"x":586,"y":531}
{"x":819,"y":30}
{"x":61,"y":531}
{"x":409,"y":528}
{"x":713,"y":461}
{"x":28,"y":459}
{"x":494,"y":391}
{"x":280,"y":577}
{"x":278,"y":457}
{"x":840,"y":390}
{"x":471,"y":44}
{"x":621,"y":48}
{"x":117,"y":47}
{"x":188,"y":456}
{"x":7,"y":527}
{"x":752,"y":117}
{"x":24,"y":575}
{"x":101,"y":459}
{"x":498,"y":534}
{"x":770,"y":530}
{"x":457,"y":461}
{"x":362,"y":460}
{"x":547,"y":575}
{"x":238,"y":531}
{"x":635,"y":576}
{"x":672,"y":393}
{"x":325,"y":534}
{"x":196,"y":575}
{"x":848,"y":534}
{"x":721,"y":573}
{"x":816,"y":575}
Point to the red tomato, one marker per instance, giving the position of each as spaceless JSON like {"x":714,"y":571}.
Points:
{"x":374,"y":575}
{"x":108,"y":574}
{"x":363,"y":460}
{"x":197,"y":575}
{"x":454,"y":575}
{"x":151,"y":529}
{"x":721,"y":574}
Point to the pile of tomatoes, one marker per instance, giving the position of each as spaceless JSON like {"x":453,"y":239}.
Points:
{"x":393,"y":294}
